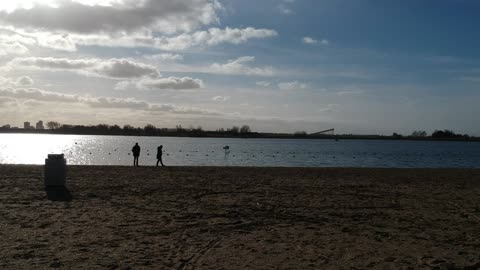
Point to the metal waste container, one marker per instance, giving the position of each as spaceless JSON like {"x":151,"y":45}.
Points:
{"x":55,"y":170}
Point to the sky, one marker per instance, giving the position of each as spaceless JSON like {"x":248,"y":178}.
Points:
{"x":358,"y":66}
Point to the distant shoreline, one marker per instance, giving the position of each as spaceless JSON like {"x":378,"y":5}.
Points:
{"x":252,"y":135}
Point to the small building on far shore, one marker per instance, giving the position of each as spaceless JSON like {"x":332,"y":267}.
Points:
{"x":39,"y":125}
{"x":26,"y":125}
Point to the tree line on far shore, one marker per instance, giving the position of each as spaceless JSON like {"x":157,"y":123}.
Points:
{"x":148,"y":130}
{"x":436,"y":134}
{"x":243,"y":131}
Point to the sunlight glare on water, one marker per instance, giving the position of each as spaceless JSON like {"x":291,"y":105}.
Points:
{"x":33,"y":148}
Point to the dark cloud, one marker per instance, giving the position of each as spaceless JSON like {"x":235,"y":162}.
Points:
{"x":38,"y":95}
{"x":170,"y":83}
{"x":120,"y":16}
{"x":111,"y":68}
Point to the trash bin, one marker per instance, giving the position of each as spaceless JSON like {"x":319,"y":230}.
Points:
{"x":55,"y":170}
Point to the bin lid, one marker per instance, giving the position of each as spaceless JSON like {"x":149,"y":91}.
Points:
{"x":55,"y":156}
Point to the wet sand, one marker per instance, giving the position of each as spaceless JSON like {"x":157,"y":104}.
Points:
{"x":241,"y":218}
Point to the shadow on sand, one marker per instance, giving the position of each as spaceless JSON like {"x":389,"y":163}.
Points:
{"x":58,"y":194}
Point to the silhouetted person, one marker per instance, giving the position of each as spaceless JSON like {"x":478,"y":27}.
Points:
{"x":159,"y":155}
{"x":136,"y":154}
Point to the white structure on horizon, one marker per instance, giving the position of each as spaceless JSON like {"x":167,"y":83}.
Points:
{"x":39,"y":125}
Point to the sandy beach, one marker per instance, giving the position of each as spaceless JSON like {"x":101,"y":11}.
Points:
{"x":241,"y":218}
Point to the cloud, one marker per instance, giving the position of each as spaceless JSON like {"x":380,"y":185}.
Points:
{"x":12,"y":47}
{"x":165,"y":57}
{"x":12,"y":82}
{"x":350,"y":93}
{"x":124,"y":68}
{"x":140,"y":75}
{"x":295,"y":85}
{"x":6,"y":100}
{"x":210,"y":37}
{"x":309,"y":40}
{"x":284,"y":8}
{"x":113,"y":16}
{"x":116,"y":103}
{"x":220,"y":98}
{"x":171,"y":83}
{"x":16,"y":41}
{"x":33,"y":94}
{"x":57,"y":42}
{"x":174,"y":83}
{"x":312,"y":41}
{"x":240,"y":66}
{"x":37,"y":94}
{"x":324,"y":42}
{"x":24,"y":81}
{"x":183,"y":41}
{"x":162,"y":24}
{"x":263,"y":83}
{"x":181,"y":110}
{"x":214,"y":36}
{"x":329,"y":108}
{"x":53,"y":63}
{"x":110,"y":68}
{"x":124,"y":85}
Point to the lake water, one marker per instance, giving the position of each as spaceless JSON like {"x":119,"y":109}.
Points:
{"x":115,"y":150}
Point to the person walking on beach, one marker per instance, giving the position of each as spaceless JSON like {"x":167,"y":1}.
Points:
{"x":136,"y":154}
{"x":159,"y":155}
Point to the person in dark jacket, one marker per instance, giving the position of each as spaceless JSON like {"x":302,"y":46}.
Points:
{"x":136,"y":154}
{"x":159,"y":155}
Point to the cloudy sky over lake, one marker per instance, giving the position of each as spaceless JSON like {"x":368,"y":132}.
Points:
{"x":364,"y":66}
